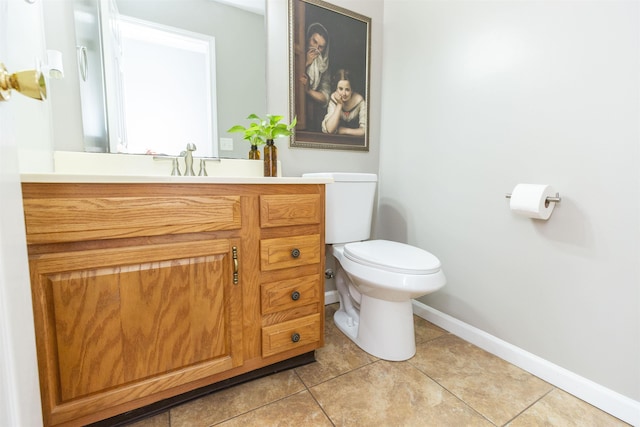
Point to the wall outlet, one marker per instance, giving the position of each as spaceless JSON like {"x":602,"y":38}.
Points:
{"x":226,"y":144}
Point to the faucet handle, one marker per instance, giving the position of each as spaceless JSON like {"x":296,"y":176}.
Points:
{"x":191,"y":147}
{"x":203,"y":168}
{"x":175,"y":171}
{"x":175,"y":167}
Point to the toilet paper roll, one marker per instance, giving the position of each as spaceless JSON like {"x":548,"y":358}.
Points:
{"x":530,"y":200}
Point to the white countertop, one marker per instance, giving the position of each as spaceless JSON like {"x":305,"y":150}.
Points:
{"x":79,"y":167}
{"x":140,"y":179}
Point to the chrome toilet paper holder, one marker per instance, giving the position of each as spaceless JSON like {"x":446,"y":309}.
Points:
{"x":549,"y":199}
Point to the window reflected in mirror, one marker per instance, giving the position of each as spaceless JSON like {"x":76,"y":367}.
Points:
{"x":168,"y":89}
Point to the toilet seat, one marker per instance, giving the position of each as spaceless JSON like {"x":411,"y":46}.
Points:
{"x":392,"y":256}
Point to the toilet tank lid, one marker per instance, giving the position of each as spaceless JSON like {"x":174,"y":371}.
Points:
{"x":345,"y":176}
{"x":392,"y":256}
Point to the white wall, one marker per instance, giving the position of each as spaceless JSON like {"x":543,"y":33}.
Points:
{"x":481,"y":95}
{"x":64,"y":94}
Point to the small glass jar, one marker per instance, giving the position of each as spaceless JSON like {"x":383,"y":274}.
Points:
{"x":254,"y":153}
{"x":270,"y":159}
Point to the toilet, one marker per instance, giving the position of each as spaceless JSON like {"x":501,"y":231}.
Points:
{"x":376,"y":279}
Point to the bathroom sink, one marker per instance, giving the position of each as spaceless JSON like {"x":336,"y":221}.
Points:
{"x":71,"y":162}
{"x":76,"y":167}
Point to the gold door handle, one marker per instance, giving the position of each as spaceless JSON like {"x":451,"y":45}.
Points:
{"x":234,"y":251}
{"x":30,"y":83}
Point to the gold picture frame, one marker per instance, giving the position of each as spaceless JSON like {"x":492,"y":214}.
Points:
{"x":329,"y":48}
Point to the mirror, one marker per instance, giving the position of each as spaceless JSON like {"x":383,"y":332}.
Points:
{"x":236,"y":59}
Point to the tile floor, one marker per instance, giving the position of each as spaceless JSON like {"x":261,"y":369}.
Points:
{"x":449,"y":382}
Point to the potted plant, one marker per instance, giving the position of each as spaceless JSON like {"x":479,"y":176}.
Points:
{"x":264,"y":131}
{"x":251,"y":134}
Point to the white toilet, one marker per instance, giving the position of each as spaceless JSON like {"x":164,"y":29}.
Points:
{"x":376,"y":279}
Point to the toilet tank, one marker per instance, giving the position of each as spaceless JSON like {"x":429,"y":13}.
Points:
{"x":349,"y":206}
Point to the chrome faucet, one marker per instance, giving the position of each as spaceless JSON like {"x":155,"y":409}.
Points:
{"x":188,"y":159}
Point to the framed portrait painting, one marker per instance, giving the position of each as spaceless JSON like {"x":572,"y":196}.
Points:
{"x":329,"y":67}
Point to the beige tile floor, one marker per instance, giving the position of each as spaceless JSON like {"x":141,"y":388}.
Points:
{"x":449,"y":382}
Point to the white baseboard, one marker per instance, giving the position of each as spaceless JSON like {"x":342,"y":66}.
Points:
{"x":331,"y":297}
{"x":622,"y":407}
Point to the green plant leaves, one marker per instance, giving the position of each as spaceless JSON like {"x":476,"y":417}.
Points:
{"x":260,"y":130}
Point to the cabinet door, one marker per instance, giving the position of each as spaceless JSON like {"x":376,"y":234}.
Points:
{"x":123,"y":323}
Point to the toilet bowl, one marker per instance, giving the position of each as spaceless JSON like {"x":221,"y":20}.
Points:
{"x":375,"y":279}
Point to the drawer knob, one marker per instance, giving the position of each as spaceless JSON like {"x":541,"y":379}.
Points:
{"x":295,"y":337}
{"x":295,"y":295}
{"x":295,"y":253}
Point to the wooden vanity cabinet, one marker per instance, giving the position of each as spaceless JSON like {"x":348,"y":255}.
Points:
{"x":142,"y":292}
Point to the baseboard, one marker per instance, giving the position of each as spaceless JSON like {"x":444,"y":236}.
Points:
{"x":601,"y":397}
{"x":331,"y":297}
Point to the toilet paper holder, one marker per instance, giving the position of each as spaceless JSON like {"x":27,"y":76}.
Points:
{"x":548,"y":200}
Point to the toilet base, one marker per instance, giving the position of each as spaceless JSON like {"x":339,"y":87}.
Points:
{"x":384,"y":329}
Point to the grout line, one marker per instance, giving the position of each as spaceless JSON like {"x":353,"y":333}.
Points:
{"x":346,"y":372}
{"x":446,"y":389}
{"x":260,"y":407}
{"x":319,"y":405}
{"x":528,"y":407}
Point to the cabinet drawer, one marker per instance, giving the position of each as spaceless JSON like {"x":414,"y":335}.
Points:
{"x":286,"y":252}
{"x":69,"y":219}
{"x":287,"y":294}
{"x":290,"y":209}
{"x":288,"y":335}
